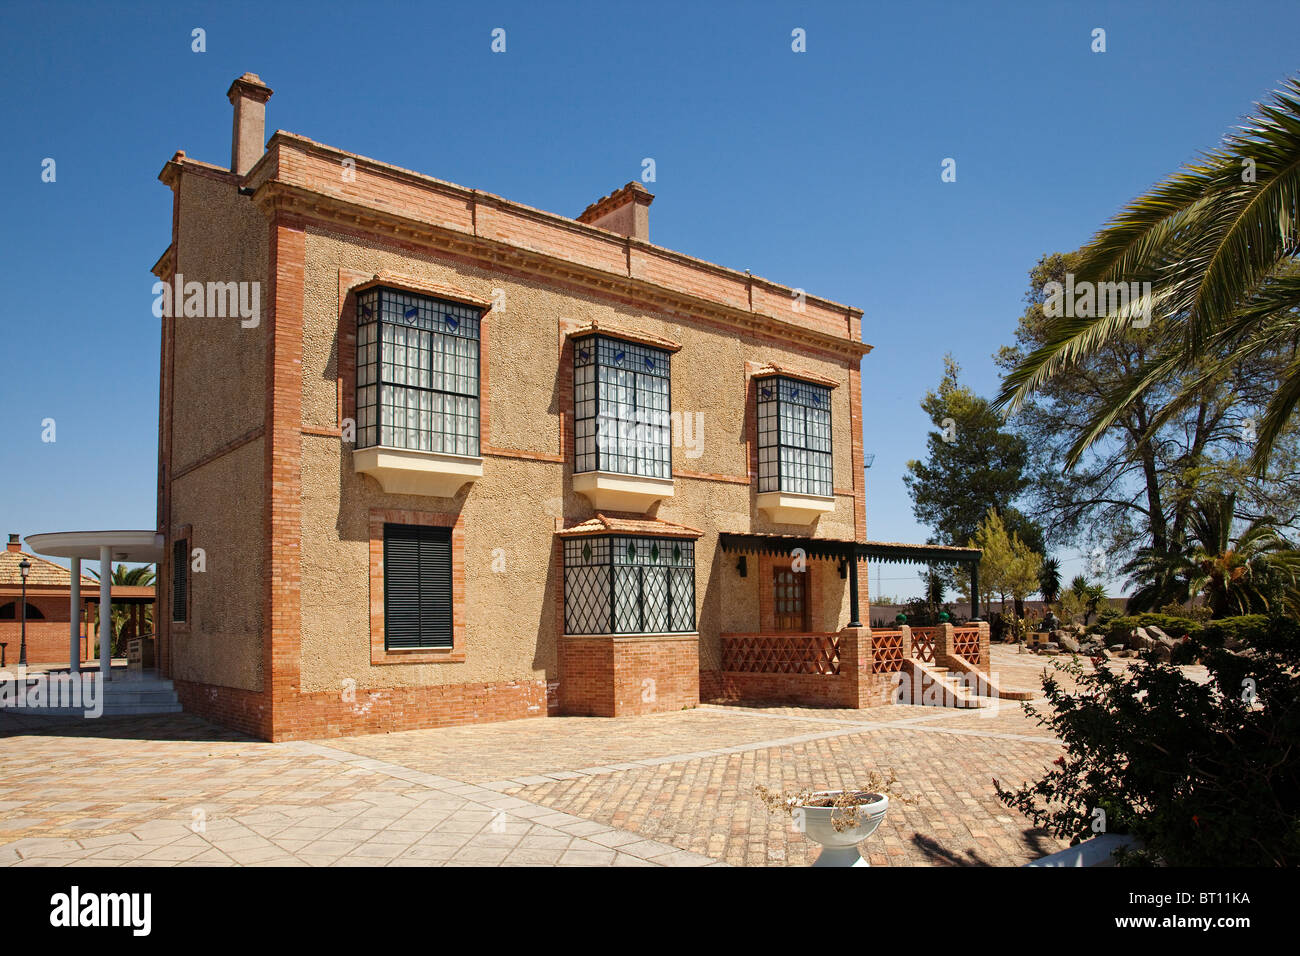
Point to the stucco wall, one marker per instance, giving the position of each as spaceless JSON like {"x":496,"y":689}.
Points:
{"x":222,"y":641}
{"x":511,"y":617}
{"x":218,"y":396}
{"x":220,"y":390}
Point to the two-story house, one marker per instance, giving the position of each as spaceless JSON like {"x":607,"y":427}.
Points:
{"x":430,"y":456}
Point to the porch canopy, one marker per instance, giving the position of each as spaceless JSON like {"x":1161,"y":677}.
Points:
{"x":139,"y":547}
{"x":850,"y":552}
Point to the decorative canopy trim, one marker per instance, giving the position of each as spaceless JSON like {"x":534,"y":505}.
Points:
{"x":405,"y":283}
{"x":600,"y":523}
{"x":596,"y":327}
{"x":895,"y":552}
{"x":883,"y":551}
{"x":786,"y":371}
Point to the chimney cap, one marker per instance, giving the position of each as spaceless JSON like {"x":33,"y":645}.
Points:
{"x":250,"y":85}
{"x":632,"y":192}
{"x":14,"y":543}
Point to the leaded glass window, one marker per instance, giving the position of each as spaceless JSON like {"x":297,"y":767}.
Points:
{"x":794,"y":436}
{"x":417,"y":373}
{"x":621,"y":408}
{"x":619,"y":584}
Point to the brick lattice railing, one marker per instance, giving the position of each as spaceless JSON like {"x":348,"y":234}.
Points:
{"x":966,"y":642}
{"x":923,"y":643}
{"x":781,"y":653}
{"x":887,"y":651}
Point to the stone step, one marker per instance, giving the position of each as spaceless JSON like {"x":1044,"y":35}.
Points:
{"x":109,"y":710}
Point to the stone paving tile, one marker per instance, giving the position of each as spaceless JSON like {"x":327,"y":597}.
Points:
{"x":547,"y":747}
{"x":707,"y":805}
{"x":673,"y":789}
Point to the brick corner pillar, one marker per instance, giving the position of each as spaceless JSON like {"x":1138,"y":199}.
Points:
{"x":944,"y":641}
{"x":985,"y":664}
{"x":856,"y":665}
{"x":906,"y":631}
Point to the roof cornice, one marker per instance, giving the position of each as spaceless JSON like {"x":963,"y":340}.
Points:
{"x":276,"y":197}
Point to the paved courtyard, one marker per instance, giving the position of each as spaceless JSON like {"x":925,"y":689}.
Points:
{"x":671,"y":789}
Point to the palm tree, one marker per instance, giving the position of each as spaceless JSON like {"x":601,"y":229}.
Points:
{"x":935,"y":589}
{"x":1217,"y":242}
{"x":1049,"y":580}
{"x":1252,"y":571}
{"x":131,"y":577}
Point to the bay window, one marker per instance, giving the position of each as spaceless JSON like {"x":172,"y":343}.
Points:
{"x":417,"y":373}
{"x":624,"y":584}
{"x":794,"y":437}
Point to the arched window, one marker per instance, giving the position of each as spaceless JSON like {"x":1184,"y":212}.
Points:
{"x":9,"y":612}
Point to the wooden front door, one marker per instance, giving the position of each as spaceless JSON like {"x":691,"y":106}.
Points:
{"x":790,"y":599}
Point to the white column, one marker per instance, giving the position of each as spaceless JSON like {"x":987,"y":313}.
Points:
{"x":75,"y":617}
{"x":105,"y":612}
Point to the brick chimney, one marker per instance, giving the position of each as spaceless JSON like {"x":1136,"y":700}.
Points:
{"x":626,"y":212}
{"x":248,"y":95}
{"x":14,"y":544}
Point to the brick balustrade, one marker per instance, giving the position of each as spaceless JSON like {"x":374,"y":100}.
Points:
{"x":966,"y":642}
{"x":925,"y":643}
{"x":820,"y":670}
{"x":781,"y":653}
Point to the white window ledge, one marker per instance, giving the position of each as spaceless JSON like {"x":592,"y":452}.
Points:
{"x":608,"y":491}
{"x":785,"y":507}
{"x":404,"y":471}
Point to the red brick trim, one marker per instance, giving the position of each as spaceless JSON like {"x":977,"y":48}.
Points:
{"x":616,"y":676}
{"x":710,"y":476}
{"x":345,"y":357}
{"x":525,"y":455}
{"x":234,"y":444}
{"x":624,"y":333}
{"x":243,"y":710}
{"x":378,"y":653}
{"x":759,"y":326}
{"x":282,"y":624}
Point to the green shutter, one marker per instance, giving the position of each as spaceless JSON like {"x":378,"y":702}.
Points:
{"x":417,"y":587}
{"x":180,"y":579}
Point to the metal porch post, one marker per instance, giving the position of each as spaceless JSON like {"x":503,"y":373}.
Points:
{"x":853,"y":589}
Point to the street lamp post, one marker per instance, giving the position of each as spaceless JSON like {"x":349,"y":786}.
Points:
{"x":25,"y":567}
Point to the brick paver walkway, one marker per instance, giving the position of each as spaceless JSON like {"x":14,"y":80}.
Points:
{"x":670,"y":789}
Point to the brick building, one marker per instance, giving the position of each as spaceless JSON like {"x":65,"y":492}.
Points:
{"x":49,"y":610}
{"x":474,"y":461}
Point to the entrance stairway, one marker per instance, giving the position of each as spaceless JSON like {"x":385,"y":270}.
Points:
{"x":127,"y":694}
{"x":934,"y":685}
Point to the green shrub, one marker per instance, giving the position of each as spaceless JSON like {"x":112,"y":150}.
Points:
{"x":1248,"y":629}
{"x":1201,"y":774}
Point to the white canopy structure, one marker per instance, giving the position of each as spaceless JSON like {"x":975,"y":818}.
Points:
{"x":142,"y":547}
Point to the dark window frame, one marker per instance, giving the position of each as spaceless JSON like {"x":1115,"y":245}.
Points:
{"x":33,"y":612}
{"x":598,"y":352}
{"x":381,"y":308}
{"x":772,"y":393}
{"x":586,"y":593}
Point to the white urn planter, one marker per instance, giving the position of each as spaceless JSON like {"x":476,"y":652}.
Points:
{"x":841,"y":846}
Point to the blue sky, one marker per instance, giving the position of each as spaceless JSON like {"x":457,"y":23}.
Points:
{"x":820,"y":170}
